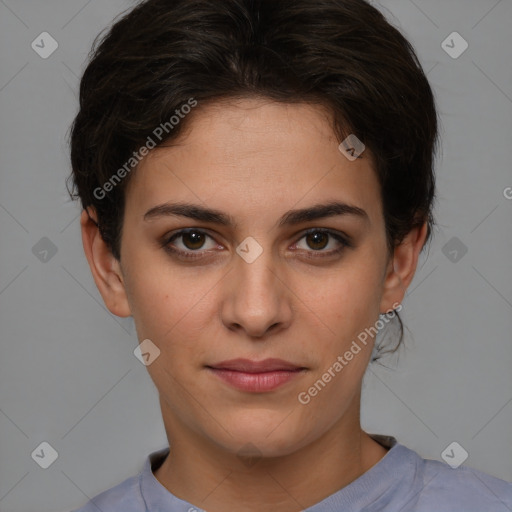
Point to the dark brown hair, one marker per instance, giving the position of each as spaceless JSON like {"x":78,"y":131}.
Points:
{"x":342,"y":54}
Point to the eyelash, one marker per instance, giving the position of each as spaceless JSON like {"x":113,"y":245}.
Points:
{"x":195,"y":255}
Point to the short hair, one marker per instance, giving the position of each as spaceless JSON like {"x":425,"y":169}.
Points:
{"x":341,"y":54}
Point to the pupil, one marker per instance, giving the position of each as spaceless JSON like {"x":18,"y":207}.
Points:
{"x":196,"y":240}
{"x":318,"y":238}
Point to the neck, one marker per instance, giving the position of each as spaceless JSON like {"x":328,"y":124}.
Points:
{"x":202,"y":473}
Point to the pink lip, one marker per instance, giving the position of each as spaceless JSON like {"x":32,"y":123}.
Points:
{"x":256,"y":376}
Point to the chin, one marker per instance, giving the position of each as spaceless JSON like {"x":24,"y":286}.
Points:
{"x":263,"y":437}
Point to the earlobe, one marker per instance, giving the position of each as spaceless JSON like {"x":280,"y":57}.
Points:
{"x":402,"y":267}
{"x":105,"y":268}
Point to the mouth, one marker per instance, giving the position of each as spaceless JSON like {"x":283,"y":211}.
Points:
{"x":256,"y":376}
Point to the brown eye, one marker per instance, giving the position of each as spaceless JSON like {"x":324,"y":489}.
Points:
{"x":190,"y":242}
{"x":317,"y":240}
{"x":322,"y":243}
{"x":193,"y":240}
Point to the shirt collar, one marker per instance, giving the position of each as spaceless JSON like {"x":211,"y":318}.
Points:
{"x":393,"y":474}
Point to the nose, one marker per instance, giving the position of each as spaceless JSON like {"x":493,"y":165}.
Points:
{"x":257,"y":300}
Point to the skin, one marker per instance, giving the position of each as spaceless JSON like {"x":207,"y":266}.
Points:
{"x":255,"y":160}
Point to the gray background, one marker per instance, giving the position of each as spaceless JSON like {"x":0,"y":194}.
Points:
{"x":68,"y":375}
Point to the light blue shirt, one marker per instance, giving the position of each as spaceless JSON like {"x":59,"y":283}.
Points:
{"x":401,"y":481}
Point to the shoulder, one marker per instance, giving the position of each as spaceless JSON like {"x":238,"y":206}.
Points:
{"x":132,"y":494}
{"x":125,"y":496}
{"x":438,"y":486}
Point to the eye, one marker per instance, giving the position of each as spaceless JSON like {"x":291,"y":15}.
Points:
{"x":192,"y":243}
{"x":319,"y":239}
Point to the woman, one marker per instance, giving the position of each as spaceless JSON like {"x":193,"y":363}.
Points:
{"x":257,"y":184}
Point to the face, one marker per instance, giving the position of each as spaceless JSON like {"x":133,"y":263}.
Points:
{"x":258,"y":269}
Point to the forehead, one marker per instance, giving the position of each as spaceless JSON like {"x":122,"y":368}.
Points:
{"x":259,"y":151}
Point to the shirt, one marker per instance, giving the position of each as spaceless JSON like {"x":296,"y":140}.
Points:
{"x":402,"y":481}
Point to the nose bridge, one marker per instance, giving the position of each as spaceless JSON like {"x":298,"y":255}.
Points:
{"x":255,"y":274}
{"x":257,"y":300}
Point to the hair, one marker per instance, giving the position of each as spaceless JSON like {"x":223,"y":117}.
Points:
{"x":340,"y":54}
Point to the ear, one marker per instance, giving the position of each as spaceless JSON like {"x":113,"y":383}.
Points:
{"x":105,"y":268}
{"x":402,"y":267}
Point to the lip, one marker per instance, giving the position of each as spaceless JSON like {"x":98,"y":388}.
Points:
{"x":256,"y":376}
{"x":249,"y":366}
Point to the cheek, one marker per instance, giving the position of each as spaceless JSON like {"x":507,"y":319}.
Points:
{"x":161,"y":295}
{"x":173,"y":317}
{"x":176,"y":313}
{"x":350,"y":299}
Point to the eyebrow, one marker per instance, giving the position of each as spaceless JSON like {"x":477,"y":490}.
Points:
{"x":202,"y":214}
